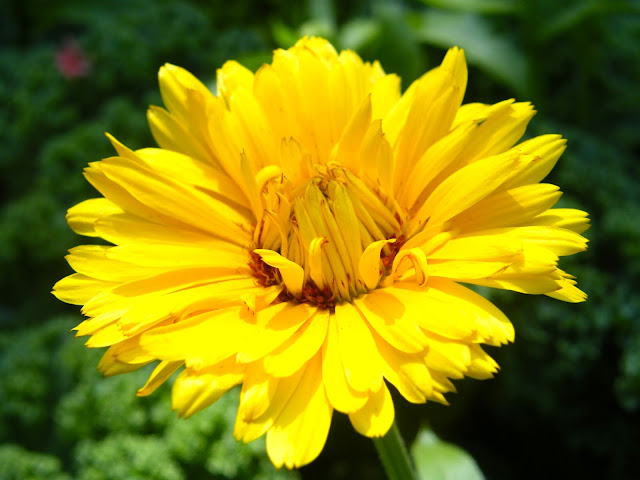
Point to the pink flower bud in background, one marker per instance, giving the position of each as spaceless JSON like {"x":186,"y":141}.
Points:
{"x":71,"y":61}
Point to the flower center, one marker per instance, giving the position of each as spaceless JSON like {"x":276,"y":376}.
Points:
{"x":328,"y":241}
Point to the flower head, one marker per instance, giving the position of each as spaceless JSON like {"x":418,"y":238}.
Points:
{"x":304,"y":234}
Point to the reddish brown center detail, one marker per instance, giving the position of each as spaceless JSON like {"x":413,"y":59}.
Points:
{"x":310,"y":294}
{"x":322,"y":298}
{"x":387,"y":260}
{"x":266,"y":274}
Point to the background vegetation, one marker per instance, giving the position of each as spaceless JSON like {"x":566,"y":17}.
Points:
{"x":567,"y":402}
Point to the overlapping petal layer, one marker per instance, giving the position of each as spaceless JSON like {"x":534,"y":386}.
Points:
{"x":304,"y":232}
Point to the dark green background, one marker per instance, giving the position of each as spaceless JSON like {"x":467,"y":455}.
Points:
{"x":566,"y":403}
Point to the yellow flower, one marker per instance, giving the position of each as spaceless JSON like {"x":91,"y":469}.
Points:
{"x":304,"y":234}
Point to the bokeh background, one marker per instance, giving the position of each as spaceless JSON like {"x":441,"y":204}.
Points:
{"x":567,"y":401}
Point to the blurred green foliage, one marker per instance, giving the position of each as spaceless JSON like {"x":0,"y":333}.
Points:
{"x":568,"y":398}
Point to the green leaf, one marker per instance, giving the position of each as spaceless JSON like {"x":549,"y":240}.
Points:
{"x":359,"y":32}
{"x":396,"y":46}
{"x":568,"y":19}
{"x":486,"y":7}
{"x":438,"y":460}
{"x":571,"y":18}
{"x":317,"y":28}
{"x":17,"y":463}
{"x":283,"y":35}
{"x":322,"y":11}
{"x":487,"y":49}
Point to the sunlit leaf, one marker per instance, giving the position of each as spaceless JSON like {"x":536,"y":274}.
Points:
{"x":283,"y":35}
{"x":485,"y":48}
{"x":486,"y":7}
{"x":319,"y":28}
{"x":358,"y":32}
{"x":397,"y":46}
{"x":438,"y":460}
{"x":571,"y":18}
{"x":322,"y":11}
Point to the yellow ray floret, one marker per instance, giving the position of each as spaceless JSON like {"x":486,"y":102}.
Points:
{"x":303,"y":234}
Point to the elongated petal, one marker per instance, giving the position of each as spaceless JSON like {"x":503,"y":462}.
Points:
{"x":78,"y":289}
{"x":194,"y":390}
{"x":357,"y":349}
{"x":159,"y":375}
{"x":465,"y":188}
{"x":376,"y":417}
{"x":82,"y":217}
{"x":341,"y":395}
{"x":387,"y":315}
{"x":299,"y":348}
{"x":300,"y":431}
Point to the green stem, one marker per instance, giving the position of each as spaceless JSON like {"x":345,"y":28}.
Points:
{"x":394,"y":456}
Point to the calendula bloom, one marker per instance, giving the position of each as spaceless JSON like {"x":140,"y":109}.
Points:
{"x":304,"y":233}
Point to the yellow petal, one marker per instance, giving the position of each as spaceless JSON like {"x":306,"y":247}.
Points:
{"x":231,"y":77}
{"x":458,"y":269}
{"x":175,"y":200}
{"x":292,"y":273}
{"x":78,"y":289}
{"x":109,"y":365}
{"x":479,"y":247}
{"x":125,"y":228}
{"x":447,"y":356}
{"x":532,"y":285}
{"x":159,"y":375}
{"x":419,"y":261}
{"x":464,"y":188}
{"x":501,"y":126}
{"x":171,"y":134}
{"x":274,"y":326}
{"x":315,"y":261}
{"x":548,"y":149}
{"x":511,"y":207}
{"x":408,"y":373}
{"x":185,"y":169}
{"x":500,"y":329}
{"x":175,"y":82}
{"x":107,"y":336}
{"x":299,"y":348}
{"x":346,"y":150}
{"x":213,"y":254}
{"x":455,"y":312}
{"x":438,"y":158}
{"x":203,"y":339}
{"x":261,"y":400}
{"x":121,"y":197}
{"x":569,"y":218}
{"x":557,"y":240}
{"x":568,"y":292}
{"x":340,"y":394}
{"x":357,"y":349}
{"x":83,"y":216}
{"x":482,"y":366}
{"x":92,"y":261}
{"x":387,"y":316}
{"x":369,"y":264}
{"x":376,"y":417}
{"x":277,"y":104}
{"x":300,"y":431}
{"x":385,"y":93}
{"x":194,"y":390}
